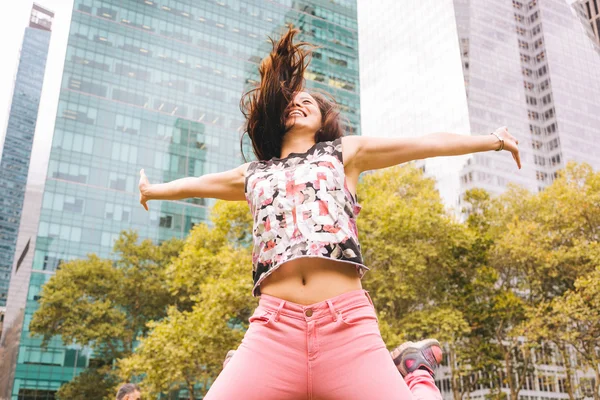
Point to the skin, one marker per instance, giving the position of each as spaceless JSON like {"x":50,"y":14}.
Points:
{"x":133,"y":396}
{"x":311,"y":280}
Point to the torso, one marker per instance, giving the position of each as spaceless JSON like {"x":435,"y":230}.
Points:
{"x":312,"y":280}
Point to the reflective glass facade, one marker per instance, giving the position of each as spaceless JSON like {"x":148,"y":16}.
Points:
{"x":152,"y":84}
{"x":17,"y":145}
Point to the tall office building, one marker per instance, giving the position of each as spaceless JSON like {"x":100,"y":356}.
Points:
{"x":471,"y":66}
{"x":153,"y":84}
{"x":557,"y":68}
{"x":591,"y":15}
{"x":16,"y":151}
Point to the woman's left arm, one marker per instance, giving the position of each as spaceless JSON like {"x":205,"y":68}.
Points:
{"x":367,"y":153}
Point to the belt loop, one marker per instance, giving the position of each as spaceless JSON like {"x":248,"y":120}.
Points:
{"x":332,"y":310}
{"x":369,"y":297}
{"x":279,"y":310}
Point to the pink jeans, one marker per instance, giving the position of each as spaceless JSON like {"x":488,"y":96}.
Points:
{"x":330,"y":350}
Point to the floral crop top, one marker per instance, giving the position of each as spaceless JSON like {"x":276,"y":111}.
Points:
{"x":302,"y":208}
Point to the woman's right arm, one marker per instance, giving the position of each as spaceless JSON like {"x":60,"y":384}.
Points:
{"x":228,"y":185}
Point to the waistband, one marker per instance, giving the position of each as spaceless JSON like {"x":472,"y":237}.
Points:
{"x":326,"y":308}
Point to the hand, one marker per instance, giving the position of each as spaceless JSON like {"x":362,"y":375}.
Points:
{"x":510,"y":144}
{"x":143,"y":186}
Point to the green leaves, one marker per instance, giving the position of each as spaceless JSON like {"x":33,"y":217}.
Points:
{"x":522,"y":266}
{"x":212,"y":281}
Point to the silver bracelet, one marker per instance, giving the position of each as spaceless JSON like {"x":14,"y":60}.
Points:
{"x":501,"y":141}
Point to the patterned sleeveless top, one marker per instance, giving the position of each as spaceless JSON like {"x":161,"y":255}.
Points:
{"x":302,"y":208}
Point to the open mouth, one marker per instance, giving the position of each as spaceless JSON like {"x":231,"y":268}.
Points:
{"x":296,"y":113}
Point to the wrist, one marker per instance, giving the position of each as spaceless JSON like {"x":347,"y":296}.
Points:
{"x":499,"y":141}
{"x":148,"y":192}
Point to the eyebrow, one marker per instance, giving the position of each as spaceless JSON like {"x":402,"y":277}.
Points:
{"x":306,"y":98}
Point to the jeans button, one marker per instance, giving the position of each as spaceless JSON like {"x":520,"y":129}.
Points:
{"x":308,"y":312}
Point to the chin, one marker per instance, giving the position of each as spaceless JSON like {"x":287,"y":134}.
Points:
{"x":300,"y":127}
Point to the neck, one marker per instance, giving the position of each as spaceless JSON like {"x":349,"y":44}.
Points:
{"x":296,"y":143}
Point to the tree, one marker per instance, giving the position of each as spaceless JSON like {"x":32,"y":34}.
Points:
{"x":422,"y":262}
{"x":91,"y":384}
{"x":572,"y":321}
{"x":187,"y":348}
{"x":539,"y":244}
{"x":106,"y":304}
{"x":212,"y":276}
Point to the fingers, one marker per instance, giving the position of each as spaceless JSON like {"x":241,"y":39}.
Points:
{"x":503,"y":132}
{"x":143,"y":177}
{"x":142,"y":184}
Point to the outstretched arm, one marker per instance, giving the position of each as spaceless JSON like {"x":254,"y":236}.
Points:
{"x":228,"y":185}
{"x":366,"y":153}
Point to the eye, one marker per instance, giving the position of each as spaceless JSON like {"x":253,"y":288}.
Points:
{"x":307,"y":101}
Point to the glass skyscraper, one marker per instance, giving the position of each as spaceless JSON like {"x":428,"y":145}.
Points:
{"x":153,"y":84}
{"x":16,"y":151}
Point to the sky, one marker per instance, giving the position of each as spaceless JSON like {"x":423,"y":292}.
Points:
{"x":13,"y":21}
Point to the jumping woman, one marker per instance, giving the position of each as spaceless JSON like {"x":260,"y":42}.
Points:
{"x":314,"y":334}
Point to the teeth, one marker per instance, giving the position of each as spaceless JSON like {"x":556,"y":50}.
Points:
{"x":296,"y":113}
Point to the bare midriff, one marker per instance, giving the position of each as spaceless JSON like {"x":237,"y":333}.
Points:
{"x":311,"y":280}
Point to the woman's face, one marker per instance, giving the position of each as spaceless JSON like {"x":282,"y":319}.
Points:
{"x":303,"y":113}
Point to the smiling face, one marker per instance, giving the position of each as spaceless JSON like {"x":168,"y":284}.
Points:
{"x":303,"y":113}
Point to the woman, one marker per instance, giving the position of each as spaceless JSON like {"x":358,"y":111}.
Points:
{"x":314,"y":334}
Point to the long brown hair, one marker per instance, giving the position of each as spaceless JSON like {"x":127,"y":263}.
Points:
{"x":281,"y":77}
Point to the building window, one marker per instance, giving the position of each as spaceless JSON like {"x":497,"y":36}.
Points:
{"x":541,"y":176}
{"x":553,"y":144}
{"x":587,"y":4}
{"x":539,"y":160}
{"x":107,"y":13}
{"x":549,"y":114}
{"x":551,"y":128}
{"x":541,"y":56}
{"x":545,"y":84}
{"x":166,"y":221}
{"x":534,"y":16}
{"x":538,"y":43}
{"x":533,"y":115}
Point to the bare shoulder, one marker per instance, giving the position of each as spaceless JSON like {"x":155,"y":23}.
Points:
{"x":239,"y":173}
{"x":242,"y":169}
{"x":350,"y":148}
